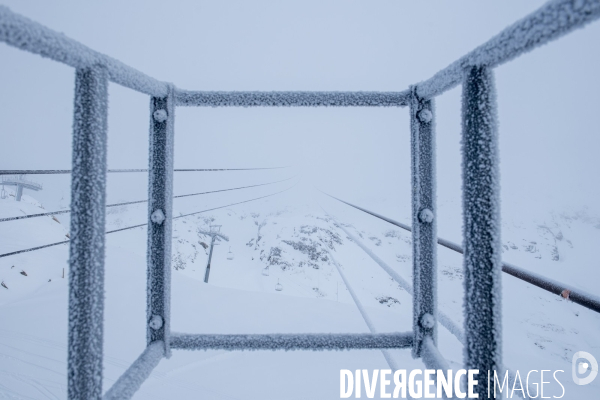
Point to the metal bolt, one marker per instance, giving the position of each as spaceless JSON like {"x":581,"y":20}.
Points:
{"x":425,"y":116}
{"x":160,"y":115}
{"x":158,"y":216}
{"x":156,"y":322}
{"x":426,"y":216}
{"x":427,"y":321}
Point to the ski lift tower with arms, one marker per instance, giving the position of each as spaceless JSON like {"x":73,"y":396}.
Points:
{"x":214,"y":233}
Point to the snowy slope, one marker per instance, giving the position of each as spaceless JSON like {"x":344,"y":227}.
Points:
{"x":540,"y":330}
{"x":42,"y":267}
{"x":295,"y":243}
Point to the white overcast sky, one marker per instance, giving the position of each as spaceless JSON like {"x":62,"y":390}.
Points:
{"x":548,"y":100}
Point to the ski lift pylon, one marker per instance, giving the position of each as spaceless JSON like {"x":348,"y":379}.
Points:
{"x":278,"y":287}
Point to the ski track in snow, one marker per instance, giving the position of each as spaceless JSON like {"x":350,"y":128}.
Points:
{"x":296,"y":244}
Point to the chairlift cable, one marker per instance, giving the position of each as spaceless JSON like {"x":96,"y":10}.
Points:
{"x":141,"y":225}
{"x":140,"y":201}
{"x":68,"y":171}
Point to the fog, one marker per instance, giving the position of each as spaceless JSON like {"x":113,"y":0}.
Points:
{"x":547,"y":99}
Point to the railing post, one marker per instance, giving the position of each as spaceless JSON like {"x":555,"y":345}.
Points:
{"x":422,"y":129}
{"x":86,"y":253}
{"x":160,"y":210}
{"x":481,"y":226}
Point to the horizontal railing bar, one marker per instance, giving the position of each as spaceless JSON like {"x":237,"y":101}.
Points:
{"x":307,"y":341}
{"x":68,"y":171}
{"x":292,"y":99}
{"x":132,"y":379}
{"x":140,"y":225}
{"x":139,"y":201}
{"x":575,"y":295}
{"x":550,"y":22}
{"x":553,"y":20}
{"x":25,"y":34}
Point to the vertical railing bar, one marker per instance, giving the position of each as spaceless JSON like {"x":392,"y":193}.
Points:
{"x":160,"y":210}
{"x":422,"y":128}
{"x":481,"y":225}
{"x":87,"y":246}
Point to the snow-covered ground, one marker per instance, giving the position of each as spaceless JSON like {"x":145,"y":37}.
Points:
{"x":284,"y":240}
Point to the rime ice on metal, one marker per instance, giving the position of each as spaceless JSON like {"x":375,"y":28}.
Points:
{"x":25,"y":34}
{"x":132,"y":379}
{"x":553,"y":20}
{"x":481,"y":225}
{"x":160,"y":217}
{"x":422,"y":128}
{"x":292,"y":99}
{"x":306,"y":341}
{"x":86,"y":255}
{"x":480,"y":170}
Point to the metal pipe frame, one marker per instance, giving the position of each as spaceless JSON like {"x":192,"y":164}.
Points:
{"x":21,"y":32}
{"x":292,"y":99}
{"x":292,"y":341}
{"x":550,"y":22}
{"x":480,"y":174}
{"x":160,"y":218}
{"x":422,"y":140}
{"x":481,"y":225}
{"x":132,"y":379}
{"x":86,"y":252}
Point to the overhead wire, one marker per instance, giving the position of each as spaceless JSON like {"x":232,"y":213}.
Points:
{"x":110,"y":171}
{"x":142,"y":225}
{"x":575,"y":295}
{"x":140,"y":201}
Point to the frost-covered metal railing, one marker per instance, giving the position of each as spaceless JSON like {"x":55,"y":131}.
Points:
{"x":480,"y":198}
